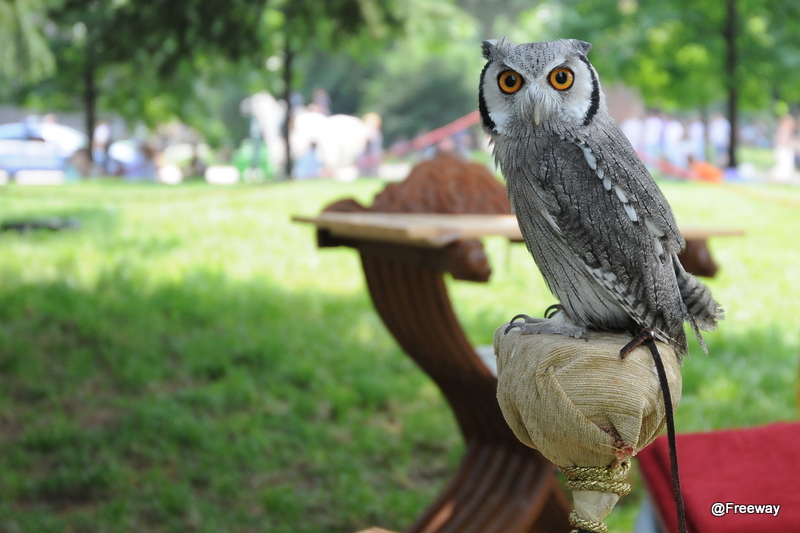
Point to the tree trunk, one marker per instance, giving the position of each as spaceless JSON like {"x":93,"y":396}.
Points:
{"x":287,"y":96}
{"x":89,"y":95}
{"x":733,"y":89}
{"x":706,"y":134}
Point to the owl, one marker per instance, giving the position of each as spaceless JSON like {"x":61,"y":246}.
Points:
{"x":596,"y":223}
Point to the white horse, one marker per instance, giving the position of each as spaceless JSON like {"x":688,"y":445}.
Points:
{"x":340,"y":139}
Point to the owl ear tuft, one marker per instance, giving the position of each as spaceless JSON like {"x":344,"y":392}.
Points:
{"x":488,"y":48}
{"x":583,"y":46}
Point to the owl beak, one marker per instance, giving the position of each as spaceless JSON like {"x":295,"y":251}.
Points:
{"x":537,"y":115}
{"x":534,"y":105}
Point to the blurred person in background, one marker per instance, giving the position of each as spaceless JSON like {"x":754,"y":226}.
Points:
{"x":143,"y":167}
{"x":633,"y":128}
{"x":785,"y":141}
{"x":653,"y":136}
{"x":674,"y":150}
{"x":308,"y":166}
{"x":719,"y":135}
{"x":320,"y":102}
{"x":101,"y":140}
{"x":700,"y":169}
{"x":370,"y":159}
{"x":697,"y":140}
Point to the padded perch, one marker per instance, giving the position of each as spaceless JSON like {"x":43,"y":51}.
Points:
{"x":581,"y":405}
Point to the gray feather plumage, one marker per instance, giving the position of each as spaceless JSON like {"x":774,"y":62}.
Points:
{"x":593,"y":218}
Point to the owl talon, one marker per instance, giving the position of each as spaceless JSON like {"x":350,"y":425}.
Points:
{"x":526,"y":320}
{"x":523,"y":316}
{"x":555,"y":308}
{"x":544,"y":326}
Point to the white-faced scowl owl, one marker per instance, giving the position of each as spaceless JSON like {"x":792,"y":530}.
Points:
{"x":593,"y":218}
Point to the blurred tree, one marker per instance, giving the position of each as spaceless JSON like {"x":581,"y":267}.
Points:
{"x":145,"y":59}
{"x":203,"y":92}
{"x":688,"y":54}
{"x":430,"y":77}
{"x":492,"y":14}
{"x":422,"y":96}
{"x":24,"y":53}
{"x":301,"y":27}
{"x":145,"y":53}
{"x":344,"y":76}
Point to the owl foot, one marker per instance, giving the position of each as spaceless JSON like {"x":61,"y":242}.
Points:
{"x":557,"y":325}
{"x":527,"y":319}
{"x":644,"y":335}
{"x":548,"y":314}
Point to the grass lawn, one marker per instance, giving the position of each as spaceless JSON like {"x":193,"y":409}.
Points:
{"x":189,"y":361}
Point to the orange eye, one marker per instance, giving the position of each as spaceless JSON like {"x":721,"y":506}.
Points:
{"x":561,"y":78}
{"x":509,"y":81}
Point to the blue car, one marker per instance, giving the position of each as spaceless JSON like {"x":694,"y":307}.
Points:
{"x":38,"y":146}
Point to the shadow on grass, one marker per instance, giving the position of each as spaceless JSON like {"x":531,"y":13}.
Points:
{"x":101,"y":224}
{"x":85,"y":215}
{"x":210,"y":405}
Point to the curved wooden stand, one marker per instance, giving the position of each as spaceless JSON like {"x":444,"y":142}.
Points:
{"x":501,"y":485}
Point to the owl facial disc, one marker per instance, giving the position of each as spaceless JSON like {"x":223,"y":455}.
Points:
{"x":523,"y":87}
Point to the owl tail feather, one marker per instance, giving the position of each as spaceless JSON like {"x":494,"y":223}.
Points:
{"x":702,"y":311}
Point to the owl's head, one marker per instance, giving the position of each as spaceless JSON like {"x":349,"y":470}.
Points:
{"x":549,"y":87}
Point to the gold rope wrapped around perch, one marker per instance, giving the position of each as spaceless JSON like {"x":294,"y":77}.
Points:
{"x":596,"y":483}
{"x":598,"y":479}
{"x":586,"y":409}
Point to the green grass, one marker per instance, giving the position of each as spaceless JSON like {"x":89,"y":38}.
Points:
{"x":188,"y":360}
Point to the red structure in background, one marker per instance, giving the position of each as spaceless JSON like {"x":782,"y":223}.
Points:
{"x":436,"y":136}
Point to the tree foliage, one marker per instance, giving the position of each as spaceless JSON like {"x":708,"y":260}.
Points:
{"x":300,"y":27}
{"x":199,"y":60}
{"x":430,"y":77}
{"x":145,"y":60}
{"x":414,"y":101}
{"x":194,"y":60}
{"x":690,"y":54}
{"x":24,"y":53}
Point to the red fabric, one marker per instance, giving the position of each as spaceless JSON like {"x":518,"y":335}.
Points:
{"x":754,"y":466}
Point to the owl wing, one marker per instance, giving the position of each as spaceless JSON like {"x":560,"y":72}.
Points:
{"x":611,"y":215}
